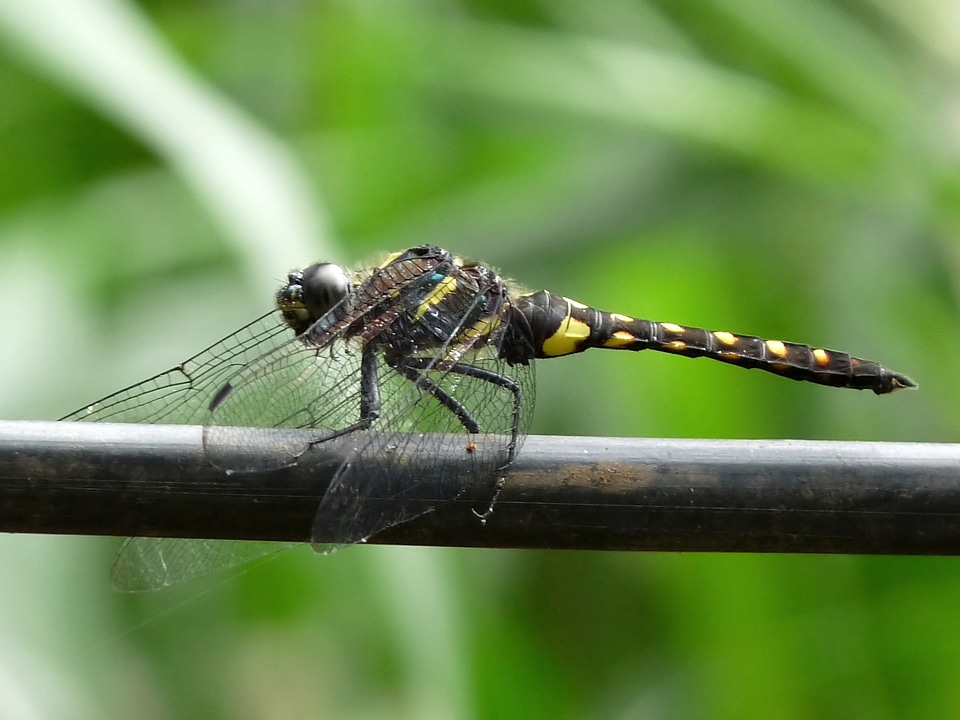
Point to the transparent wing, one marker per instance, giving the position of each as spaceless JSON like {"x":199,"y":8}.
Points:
{"x":428,"y":408}
{"x":421,"y":401}
{"x":419,"y":452}
{"x":155,"y":563}
{"x":297,"y":386}
{"x":181,"y":395}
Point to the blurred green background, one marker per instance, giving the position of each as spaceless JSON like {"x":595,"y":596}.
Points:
{"x":785,"y":168}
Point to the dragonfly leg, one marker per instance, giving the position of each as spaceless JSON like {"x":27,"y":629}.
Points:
{"x":465,"y":369}
{"x":370,"y":403}
{"x":410,"y":368}
{"x":412,"y":373}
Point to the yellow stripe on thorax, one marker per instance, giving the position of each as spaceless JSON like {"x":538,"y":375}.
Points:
{"x":481,"y":327}
{"x":436,"y":296}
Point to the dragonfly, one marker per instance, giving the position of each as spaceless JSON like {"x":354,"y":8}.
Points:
{"x":424,"y":352}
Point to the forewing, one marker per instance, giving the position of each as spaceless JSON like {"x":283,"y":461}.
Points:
{"x":181,"y":395}
{"x":298,"y":386}
{"x":451,"y":413}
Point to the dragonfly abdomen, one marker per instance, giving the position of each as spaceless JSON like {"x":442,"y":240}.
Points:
{"x":561,"y":326}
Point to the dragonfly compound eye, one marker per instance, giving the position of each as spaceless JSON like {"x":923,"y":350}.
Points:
{"x":324,"y":285}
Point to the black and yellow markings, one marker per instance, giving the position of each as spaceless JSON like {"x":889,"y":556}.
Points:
{"x":673,"y":337}
{"x":620,"y":339}
{"x":780,"y":355}
{"x":562,"y":326}
{"x":778,"y":352}
{"x":571,"y":332}
{"x":480,"y":328}
{"x":821,"y":357}
{"x":442,"y":289}
{"x":727,"y":340}
{"x":776,"y":348}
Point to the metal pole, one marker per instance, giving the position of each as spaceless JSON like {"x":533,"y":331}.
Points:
{"x":562,"y":492}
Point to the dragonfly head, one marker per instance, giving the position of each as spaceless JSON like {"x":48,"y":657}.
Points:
{"x":310,"y":293}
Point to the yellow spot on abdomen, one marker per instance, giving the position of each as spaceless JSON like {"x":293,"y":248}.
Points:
{"x":672,"y":327}
{"x":821,"y":356}
{"x":726,"y":338}
{"x":675,"y":345}
{"x":576,"y":304}
{"x":567,"y":339}
{"x":776,"y":348}
{"x":622,"y":318}
{"x":619,"y":339}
